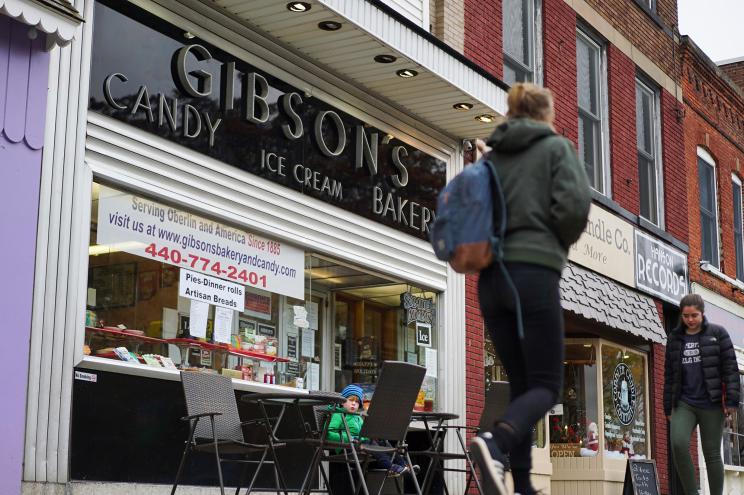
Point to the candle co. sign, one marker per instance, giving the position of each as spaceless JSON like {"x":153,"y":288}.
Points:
{"x":146,"y":73}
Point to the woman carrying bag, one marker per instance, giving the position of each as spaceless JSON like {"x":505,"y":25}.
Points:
{"x":547,"y":198}
{"x":701,"y":383}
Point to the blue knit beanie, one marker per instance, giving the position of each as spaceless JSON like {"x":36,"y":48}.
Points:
{"x":353,"y":389}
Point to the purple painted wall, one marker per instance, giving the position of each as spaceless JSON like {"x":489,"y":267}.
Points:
{"x":24,"y":68}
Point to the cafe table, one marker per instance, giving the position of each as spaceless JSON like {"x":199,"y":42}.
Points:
{"x":291,"y":405}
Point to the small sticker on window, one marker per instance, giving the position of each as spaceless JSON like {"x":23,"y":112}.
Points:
{"x":86,"y":377}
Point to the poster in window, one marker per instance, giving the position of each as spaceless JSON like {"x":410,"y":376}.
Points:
{"x":338,"y":358}
{"x":115,"y":285}
{"x":147,"y":285}
{"x":257,"y":303}
{"x":625,"y":428}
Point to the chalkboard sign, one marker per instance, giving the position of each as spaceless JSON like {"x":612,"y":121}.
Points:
{"x":641,"y":478}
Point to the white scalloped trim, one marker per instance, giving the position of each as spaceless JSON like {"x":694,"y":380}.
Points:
{"x":61,"y":30}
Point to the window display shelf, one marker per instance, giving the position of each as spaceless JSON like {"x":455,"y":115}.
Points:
{"x":225,"y":348}
{"x":115,"y":332}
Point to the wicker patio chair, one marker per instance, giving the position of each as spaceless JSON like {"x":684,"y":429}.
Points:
{"x":215,"y":427}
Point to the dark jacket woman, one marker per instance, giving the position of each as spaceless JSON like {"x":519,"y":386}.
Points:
{"x":720,"y":369}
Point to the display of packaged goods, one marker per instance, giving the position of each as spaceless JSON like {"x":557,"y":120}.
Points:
{"x":124,"y":354}
{"x":168,"y":363}
{"x":232,"y":373}
{"x":152,"y":360}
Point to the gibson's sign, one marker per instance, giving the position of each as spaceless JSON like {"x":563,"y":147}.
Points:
{"x":201,"y":97}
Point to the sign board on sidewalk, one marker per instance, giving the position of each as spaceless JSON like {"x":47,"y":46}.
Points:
{"x":641,"y":478}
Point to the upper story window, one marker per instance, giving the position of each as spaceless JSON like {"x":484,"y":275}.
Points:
{"x":651,"y":4}
{"x":649,"y":153}
{"x":591,"y":83}
{"x":708,"y":208}
{"x":520,"y":40}
{"x":738,"y":238}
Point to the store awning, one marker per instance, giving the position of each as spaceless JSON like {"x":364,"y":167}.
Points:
{"x":57,"y":18}
{"x":368,"y":29}
{"x":598,"y":298}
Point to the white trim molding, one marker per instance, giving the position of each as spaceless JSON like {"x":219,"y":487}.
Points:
{"x":58,"y":19}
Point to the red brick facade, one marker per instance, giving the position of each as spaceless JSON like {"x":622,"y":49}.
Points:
{"x":735,"y":72}
{"x":713,"y":124}
{"x":650,"y":34}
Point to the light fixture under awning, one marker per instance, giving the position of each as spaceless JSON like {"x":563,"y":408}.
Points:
{"x":443,"y":77}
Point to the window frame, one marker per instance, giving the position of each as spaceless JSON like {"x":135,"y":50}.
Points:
{"x":657,"y":159}
{"x":534,"y":44}
{"x":602,"y":118}
{"x":598,"y":343}
{"x":707,"y":159}
{"x":738,"y":246}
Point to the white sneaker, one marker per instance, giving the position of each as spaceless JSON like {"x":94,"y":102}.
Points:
{"x":486,"y":455}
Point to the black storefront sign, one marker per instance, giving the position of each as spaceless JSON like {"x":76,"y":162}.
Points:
{"x":660,"y":269}
{"x":149,"y":74}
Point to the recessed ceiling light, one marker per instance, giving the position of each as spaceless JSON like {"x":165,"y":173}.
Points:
{"x":329,"y":25}
{"x":385,"y":59}
{"x":189,"y":35}
{"x":462,"y":106}
{"x":486,"y":118}
{"x":298,"y":6}
{"x":407,"y":73}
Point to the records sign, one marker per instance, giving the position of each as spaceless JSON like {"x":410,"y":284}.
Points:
{"x":660,"y":269}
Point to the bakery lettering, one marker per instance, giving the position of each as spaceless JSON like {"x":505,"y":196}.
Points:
{"x":168,"y":112}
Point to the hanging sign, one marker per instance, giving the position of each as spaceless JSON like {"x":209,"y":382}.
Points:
{"x":144,"y":227}
{"x":211,"y":290}
{"x":660,"y":269}
{"x":417,"y":308}
{"x":423,"y":334}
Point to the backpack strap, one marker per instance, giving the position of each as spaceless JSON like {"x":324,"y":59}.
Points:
{"x":497,"y":239}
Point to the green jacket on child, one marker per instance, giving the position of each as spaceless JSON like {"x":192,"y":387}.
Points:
{"x":336,"y":430}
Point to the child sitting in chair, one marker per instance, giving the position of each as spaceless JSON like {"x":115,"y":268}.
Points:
{"x":394,"y":464}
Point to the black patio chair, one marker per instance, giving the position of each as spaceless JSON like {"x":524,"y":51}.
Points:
{"x":495,"y":404}
{"x":386,"y":421}
{"x":211,"y":399}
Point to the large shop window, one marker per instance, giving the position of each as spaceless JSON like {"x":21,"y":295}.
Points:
{"x":603,"y":410}
{"x":733,"y":435}
{"x":170,"y":289}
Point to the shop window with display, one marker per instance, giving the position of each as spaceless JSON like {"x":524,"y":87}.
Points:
{"x":383,"y":320}
{"x":170,"y":289}
{"x":603,"y":409}
{"x":733,"y":435}
{"x":573,"y":423}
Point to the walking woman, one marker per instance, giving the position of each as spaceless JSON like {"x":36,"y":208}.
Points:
{"x":547,"y":199}
{"x":701,"y":383}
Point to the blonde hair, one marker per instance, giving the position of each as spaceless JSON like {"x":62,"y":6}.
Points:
{"x":531,"y":101}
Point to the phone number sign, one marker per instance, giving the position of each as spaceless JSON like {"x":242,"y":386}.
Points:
{"x":143,"y":227}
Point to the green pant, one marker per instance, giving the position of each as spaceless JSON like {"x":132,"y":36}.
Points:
{"x":683,"y":422}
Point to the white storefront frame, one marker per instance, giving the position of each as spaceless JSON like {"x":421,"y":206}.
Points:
{"x":80,"y":146}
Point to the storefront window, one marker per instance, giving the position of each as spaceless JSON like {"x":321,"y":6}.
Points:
{"x":573,"y":423}
{"x":624,"y":400}
{"x":386,"y":321}
{"x":733,"y":435}
{"x":170,"y":289}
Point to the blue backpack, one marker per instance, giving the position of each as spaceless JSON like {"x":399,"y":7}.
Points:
{"x":464,"y":234}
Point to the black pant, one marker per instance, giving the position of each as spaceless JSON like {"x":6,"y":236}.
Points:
{"x":535,"y":365}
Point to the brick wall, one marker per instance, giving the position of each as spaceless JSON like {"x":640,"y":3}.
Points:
{"x":641,"y":30}
{"x":483,"y":36}
{"x":447,"y":21}
{"x":673,"y":156}
{"x":735,"y":71}
{"x":623,"y":155}
{"x":660,"y":440}
{"x":712,"y":123}
{"x":559,"y":62}
{"x":474,"y":362}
